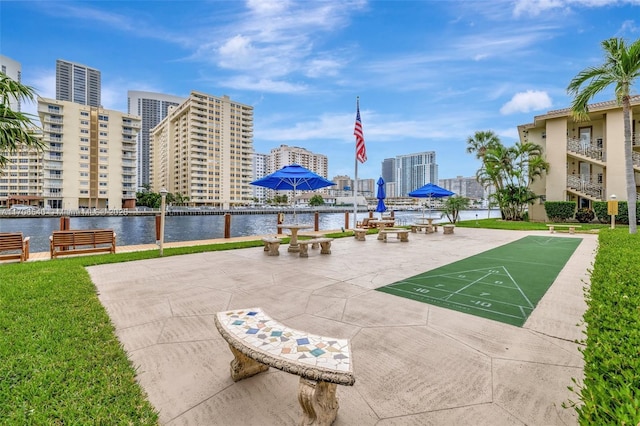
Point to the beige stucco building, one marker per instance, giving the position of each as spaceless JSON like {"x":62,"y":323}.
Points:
{"x":90,"y":156}
{"x":586,"y":158}
{"x":203,"y":150}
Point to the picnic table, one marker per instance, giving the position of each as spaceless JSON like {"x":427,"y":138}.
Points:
{"x":381,"y":224}
{"x":294,"y":247}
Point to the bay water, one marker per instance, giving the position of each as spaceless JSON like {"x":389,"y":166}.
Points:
{"x":133,"y":230}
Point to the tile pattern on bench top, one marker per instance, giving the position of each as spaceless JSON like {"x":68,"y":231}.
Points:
{"x":257,"y":329}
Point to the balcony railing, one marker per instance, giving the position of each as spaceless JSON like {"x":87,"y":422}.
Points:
{"x":590,"y":150}
{"x":586,"y":186}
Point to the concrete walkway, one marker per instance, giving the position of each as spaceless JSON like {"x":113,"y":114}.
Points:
{"x":415,"y":364}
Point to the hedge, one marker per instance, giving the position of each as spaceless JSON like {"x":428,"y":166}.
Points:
{"x":601,"y":210}
{"x":560,"y":211}
{"x":610,"y":392}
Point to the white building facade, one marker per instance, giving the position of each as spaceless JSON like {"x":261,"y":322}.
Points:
{"x":151,"y":108}
{"x":203,"y":150}
{"x":89,"y":159}
{"x":414,"y":171}
{"x":78,"y":83}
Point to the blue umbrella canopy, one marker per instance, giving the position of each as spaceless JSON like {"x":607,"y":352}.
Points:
{"x":430,"y":191}
{"x":381,"y":195}
{"x":293,"y":177}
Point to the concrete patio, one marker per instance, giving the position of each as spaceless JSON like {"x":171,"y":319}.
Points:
{"x":415,"y":364}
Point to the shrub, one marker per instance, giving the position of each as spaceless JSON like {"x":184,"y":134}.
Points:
{"x":622,"y":217}
{"x":610,"y":392}
{"x":585,"y":215}
{"x":560,"y":211}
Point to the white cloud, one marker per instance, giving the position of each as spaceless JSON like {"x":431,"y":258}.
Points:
{"x":537,"y":7}
{"x":531,"y":100}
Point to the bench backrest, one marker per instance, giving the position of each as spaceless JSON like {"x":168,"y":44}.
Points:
{"x":83,"y":237}
{"x":11,"y":241}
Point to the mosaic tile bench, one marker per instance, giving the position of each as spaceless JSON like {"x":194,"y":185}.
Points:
{"x":259,"y":342}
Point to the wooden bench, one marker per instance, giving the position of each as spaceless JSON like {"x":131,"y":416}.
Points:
{"x":325,"y":245}
{"x":259,"y":342}
{"x":448,"y":229}
{"x":14,"y":243}
{"x":401,"y":234}
{"x":572,"y":228}
{"x":272,"y":246}
{"x":360,"y":234}
{"x":82,"y":241}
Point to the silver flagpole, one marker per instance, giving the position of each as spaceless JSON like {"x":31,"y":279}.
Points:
{"x":355,"y":182}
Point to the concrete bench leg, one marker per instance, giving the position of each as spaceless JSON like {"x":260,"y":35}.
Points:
{"x":318,"y":401}
{"x":551,"y":230}
{"x":304,"y":250}
{"x":326,"y":248}
{"x":572,"y":230}
{"x":404,"y":237}
{"x":272,"y":249}
{"x":242,"y":366}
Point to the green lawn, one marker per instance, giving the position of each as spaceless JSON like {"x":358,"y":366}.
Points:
{"x":61,"y":363}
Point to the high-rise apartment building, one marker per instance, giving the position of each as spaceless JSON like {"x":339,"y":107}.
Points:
{"x":468,"y":187}
{"x":13,"y":70}
{"x":77,"y":83}
{"x":260,"y":170}
{"x":89,"y":160}
{"x":152,"y":108}
{"x":285,"y":155}
{"x":389,"y":170}
{"x":21,"y":178}
{"x":203,"y":149}
{"x":414,"y":171}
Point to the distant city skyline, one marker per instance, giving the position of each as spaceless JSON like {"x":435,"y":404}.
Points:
{"x":428,"y":73}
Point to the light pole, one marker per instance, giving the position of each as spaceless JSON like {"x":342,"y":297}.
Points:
{"x":163,"y":196}
{"x":613,"y":210}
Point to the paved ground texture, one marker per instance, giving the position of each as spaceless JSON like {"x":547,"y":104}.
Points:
{"x":415,"y":364}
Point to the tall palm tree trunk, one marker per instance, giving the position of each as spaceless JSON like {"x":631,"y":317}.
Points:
{"x":629,"y":171}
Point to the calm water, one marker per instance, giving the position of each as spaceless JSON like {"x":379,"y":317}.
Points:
{"x":141,"y":230}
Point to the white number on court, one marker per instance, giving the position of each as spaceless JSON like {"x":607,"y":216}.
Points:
{"x":498,"y":282}
{"x":481,"y":303}
{"x":421,"y":290}
{"x":494,"y":271}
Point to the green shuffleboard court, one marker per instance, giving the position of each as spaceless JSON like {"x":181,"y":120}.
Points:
{"x":503,"y":284}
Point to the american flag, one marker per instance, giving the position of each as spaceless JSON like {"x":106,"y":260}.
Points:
{"x":361,"y":151}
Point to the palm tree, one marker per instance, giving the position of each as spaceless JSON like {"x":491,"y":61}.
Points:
{"x":16,"y":129}
{"x":621,"y":68}
{"x":482,"y":141}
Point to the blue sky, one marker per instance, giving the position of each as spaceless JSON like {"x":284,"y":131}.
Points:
{"x":429,"y":74}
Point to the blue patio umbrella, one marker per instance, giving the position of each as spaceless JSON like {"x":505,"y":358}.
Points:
{"x":293,"y":177}
{"x":430,"y":191}
{"x":381,"y":195}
